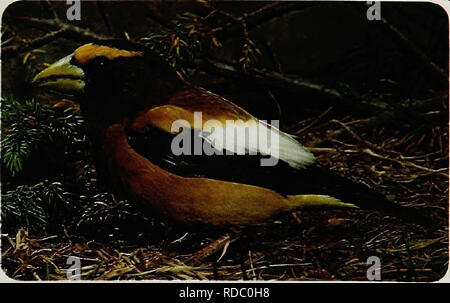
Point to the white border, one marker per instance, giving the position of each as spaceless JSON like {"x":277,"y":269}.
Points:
{"x":445,"y":4}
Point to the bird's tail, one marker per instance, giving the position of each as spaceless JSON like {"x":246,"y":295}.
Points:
{"x":323,"y":201}
{"x":337,"y":191}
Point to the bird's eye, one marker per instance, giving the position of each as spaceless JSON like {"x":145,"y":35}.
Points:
{"x":101,"y":61}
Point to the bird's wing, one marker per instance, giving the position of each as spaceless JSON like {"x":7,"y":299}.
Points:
{"x":226,"y":128}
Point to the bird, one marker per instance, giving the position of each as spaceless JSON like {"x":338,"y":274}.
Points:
{"x":138,"y":109}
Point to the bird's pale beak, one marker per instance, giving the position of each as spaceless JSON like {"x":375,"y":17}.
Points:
{"x":61,"y":77}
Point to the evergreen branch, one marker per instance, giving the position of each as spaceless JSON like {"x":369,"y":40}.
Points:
{"x":28,"y":126}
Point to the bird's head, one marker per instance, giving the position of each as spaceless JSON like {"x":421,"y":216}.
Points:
{"x":117,"y":76}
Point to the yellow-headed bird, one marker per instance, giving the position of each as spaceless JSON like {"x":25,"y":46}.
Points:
{"x":169,"y":146}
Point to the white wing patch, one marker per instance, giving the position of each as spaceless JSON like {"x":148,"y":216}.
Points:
{"x":252,"y":137}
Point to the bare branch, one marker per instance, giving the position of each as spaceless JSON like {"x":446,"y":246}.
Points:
{"x":49,"y":9}
{"x":418,"y":53}
{"x":262,"y":15}
{"x":409,"y":46}
{"x":38,"y":42}
{"x":278,"y":80}
{"x":105,"y":17}
{"x":60,"y":30}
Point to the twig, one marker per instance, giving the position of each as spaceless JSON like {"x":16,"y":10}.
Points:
{"x":355,"y":136}
{"x":274,"y":57}
{"x":407,"y":163}
{"x":281,"y":80}
{"x":251,"y":264}
{"x":330,"y":150}
{"x":104,"y":15}
{"x":394,"y":32}
{"x":262,"y":15}
{"x":239,"y":20}
{"x":49,"y":9}
{"x":45,"y":23}
{"x":208,"y":250}
{"x":315,"y":121}
{"x":279,"y":265}
{"x":35,"y":43}
{"x":278,"y":80}
{"x":419,"y":54}
{"x":296,"y":218}
{"x":277,"y":104}
{"x":60,"y":29}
